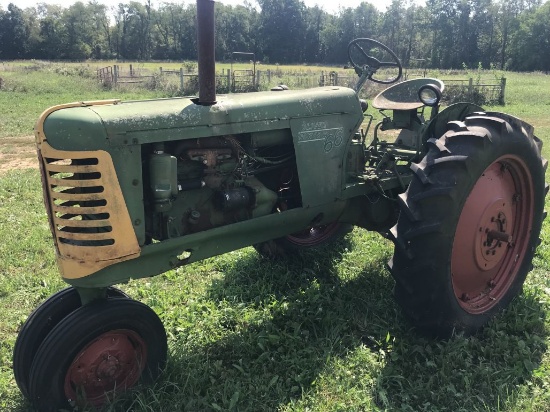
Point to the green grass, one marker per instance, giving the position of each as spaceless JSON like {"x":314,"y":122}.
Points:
{"x":28,"y":89}
{"x":27,"y":93}
{"x":318,"y":333}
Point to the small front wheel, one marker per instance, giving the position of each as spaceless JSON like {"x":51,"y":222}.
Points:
{"x":99,"y":350}
{"x":37,"y":326}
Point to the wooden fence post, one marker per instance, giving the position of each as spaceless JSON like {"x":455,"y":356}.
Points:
{"x":182,"y":84}
{"x":268,"y":77}
{"x":131,"y":71}
{"x":471,"y":88}
{"x":502,"y":91}
{"x":116,"y":74}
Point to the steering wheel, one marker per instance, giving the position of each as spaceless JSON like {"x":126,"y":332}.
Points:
{"x":360,"y":56}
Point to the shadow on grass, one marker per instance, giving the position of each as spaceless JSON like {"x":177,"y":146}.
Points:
{"x":481,"y":372}
{"x":313,"y":317}
{"x":286,"y":324}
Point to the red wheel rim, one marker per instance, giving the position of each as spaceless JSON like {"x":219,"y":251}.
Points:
{"x":112,"y":362}
{"x":492,"y":235}
{"x":314,"y":235}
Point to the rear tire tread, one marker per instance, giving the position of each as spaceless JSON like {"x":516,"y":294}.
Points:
{"x":430,"y":208}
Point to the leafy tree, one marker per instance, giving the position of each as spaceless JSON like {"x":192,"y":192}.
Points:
{"x":174,"y":32}
{"x":392,"y":27}
{"x":133,"y":30}
{"x":234,"y":31}
{"x":100,"y":38}
{"x":52,"y":32}
{"x":315,"y":18}
{"x":446,"y":33}
{"x":79,"y":32}
{"x":282,"y":29}
{"x":14,"y":33}
{"x":530,"y":47}
{"x":363,"y":21}
{"x":485,"y":23}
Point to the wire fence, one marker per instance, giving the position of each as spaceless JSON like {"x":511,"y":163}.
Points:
{"x":475,"y":91}
{"x":184,"y":82}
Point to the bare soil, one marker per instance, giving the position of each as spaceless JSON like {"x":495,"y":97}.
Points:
{"x":17,"y":153}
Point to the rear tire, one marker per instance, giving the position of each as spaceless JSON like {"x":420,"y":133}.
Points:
{"x":313,"y":237}
{"x":469,"y":224}
{"x":309,"y":239}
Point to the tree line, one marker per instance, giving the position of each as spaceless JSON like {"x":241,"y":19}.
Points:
{"x":505,"y":34}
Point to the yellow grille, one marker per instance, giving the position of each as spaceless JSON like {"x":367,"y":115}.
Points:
{"x":87,"y":211}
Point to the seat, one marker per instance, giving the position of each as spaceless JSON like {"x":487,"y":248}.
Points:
{"x":404,"y":95}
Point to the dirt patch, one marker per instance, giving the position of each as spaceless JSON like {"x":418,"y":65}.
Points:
{"x":17,"y":153}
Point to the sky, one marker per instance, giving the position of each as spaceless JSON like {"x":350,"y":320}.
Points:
{"x":330,"y":6}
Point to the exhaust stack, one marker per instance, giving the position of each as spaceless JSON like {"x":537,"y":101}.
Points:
{"x":206,"y":51}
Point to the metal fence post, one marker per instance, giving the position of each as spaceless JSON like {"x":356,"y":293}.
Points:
{"x":229,"y":81}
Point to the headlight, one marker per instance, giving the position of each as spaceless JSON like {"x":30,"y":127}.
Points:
{"x":430,"y":95}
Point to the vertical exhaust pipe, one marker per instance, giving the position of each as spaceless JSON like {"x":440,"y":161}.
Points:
{"x":206,"y":50}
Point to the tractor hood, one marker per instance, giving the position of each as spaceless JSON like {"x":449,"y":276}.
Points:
{"x":99,"y":126}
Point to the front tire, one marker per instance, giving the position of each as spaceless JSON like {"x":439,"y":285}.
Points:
{"x":469,"y":224}
{"x":37,"y":326}
{"x":99,"y":350}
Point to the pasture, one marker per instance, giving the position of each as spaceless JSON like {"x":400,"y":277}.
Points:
{"x":318,"y":333}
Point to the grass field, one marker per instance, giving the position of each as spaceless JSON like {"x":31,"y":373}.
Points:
{"x":317,"y":333}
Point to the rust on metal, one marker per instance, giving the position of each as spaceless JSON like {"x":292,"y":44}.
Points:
{"x":500,"y":236}
{"x":87,"y":212}
{"x":113,"y":361}
{"x":206,"y":51}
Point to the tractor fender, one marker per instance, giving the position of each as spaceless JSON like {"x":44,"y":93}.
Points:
{"x":455,"y":112}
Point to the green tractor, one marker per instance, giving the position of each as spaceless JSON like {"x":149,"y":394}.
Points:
{"x":135,"y":189}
